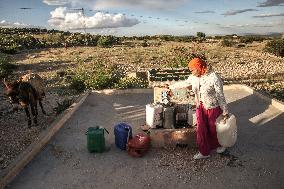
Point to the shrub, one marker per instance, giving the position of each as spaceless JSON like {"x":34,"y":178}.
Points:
{"x":78,"y":39}
{"x":107,"y":41}
{"x":96,"y":75}
{"x":144,"y":43}
{"x":28,"y":42}
{"x":13,"y":49}
{"x":227,"y":43}
{"x":77,"y":82}
{"x":5,"y":66}
{"x":200,"y":35}
{"x":275,"y":47}
{"x":55,"y":39}
{"x":100,"y":75}
{"x":9,"y":44}
{"x":250,"y":39}
{"x":99,"y":81}
{"x":131,"y":82}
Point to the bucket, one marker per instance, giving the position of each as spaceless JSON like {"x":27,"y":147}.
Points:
{"x":122,"y":133}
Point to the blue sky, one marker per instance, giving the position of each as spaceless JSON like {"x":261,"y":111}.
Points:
{"x":148,"y":17}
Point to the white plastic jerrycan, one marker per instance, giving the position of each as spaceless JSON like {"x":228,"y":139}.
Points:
{"x":226,"y":131}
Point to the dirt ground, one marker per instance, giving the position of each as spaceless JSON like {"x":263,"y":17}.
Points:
{"x":247,"y":65}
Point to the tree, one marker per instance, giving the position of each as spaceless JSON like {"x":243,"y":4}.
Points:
{"x":200,"y":35}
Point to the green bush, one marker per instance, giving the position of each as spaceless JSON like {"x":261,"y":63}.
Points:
{"x":131,"y":82}
{"x":9,"y":44}
{"x":92,"y":76}
{"x":200,"y":35}
{"x":145,"y":43}
{"x":275,"y":47}
{"x":77,"y":78}
{"x":227,"y":43}
{"x":55,"y":39}
{"x":13,"y":49}
{"x":77,"y":84}
{"x":107,"y":41}
{"x":99,"y":75}
{"x":5,"y":66}
{"x":78,"y":39}
{"x":99,"y":81}
{"x":250,"y":39}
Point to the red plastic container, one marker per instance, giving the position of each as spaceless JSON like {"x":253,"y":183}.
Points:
{"x":138,"y":145}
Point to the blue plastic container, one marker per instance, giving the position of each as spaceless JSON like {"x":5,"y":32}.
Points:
{"x":122,"y":133}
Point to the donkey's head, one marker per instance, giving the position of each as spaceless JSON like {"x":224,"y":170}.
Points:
{"x":12,"y":91}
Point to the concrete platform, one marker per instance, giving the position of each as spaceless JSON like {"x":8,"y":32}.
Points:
{"x":66,"y":163}
{"x":173,"y":137}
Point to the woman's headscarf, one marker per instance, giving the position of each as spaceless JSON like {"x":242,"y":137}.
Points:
{"x":198,"y":64}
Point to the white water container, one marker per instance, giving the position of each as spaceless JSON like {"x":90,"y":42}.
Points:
{"x":226,"y":132}
{"x":154,"y":115}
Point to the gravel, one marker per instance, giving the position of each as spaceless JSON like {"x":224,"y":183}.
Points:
{"x":15,"y":136}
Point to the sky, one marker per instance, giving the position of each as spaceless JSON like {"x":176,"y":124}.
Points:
{"x":146,"y":17}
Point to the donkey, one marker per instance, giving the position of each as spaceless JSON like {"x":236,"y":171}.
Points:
{"x":27,"y":91}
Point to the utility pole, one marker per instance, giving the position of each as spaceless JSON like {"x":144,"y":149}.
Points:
{"x":83,"y":13}
{"x":84,"y":24}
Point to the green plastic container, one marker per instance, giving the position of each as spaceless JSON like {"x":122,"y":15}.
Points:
{"x":96,"y":139}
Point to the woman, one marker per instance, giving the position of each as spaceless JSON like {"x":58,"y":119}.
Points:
{"x":210,"y":104}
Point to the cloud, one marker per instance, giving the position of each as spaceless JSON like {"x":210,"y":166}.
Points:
{"x":235,"y":26}
{"x":148,"y":4}
{"x":268,"y":24}
{"x":56,"y":2}
{"x":106,"y":4}
{"x":65,"y":20}
{"x":234,"y":12}
{"x":7,"y":24}
{"x":270,"y":3}
{"x":204,"y":12}
{"x":66,"y":2}
{"x":268,"y":15}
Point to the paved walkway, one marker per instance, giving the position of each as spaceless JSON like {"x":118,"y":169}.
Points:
{"x":66,"y":163}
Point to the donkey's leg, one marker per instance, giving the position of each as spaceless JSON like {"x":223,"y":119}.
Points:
{"x":28,"y":115}
{"x":41,"y":106}
{"x":35,"y":107}
{"x":34,"y":112}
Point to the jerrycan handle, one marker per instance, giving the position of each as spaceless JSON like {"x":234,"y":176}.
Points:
{"x":97,"y":127}
{"x":105,"y":129}
{"x":128,"y":135}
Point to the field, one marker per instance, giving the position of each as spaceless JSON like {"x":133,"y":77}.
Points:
{"x":247,"y":64}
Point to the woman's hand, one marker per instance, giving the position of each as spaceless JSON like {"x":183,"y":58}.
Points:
{"x":225,"y":117}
